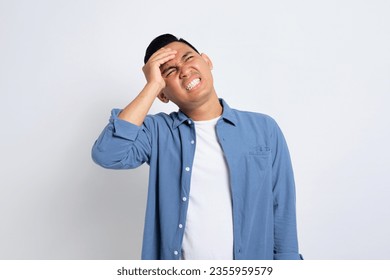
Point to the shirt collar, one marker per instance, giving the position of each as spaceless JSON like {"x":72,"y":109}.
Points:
{"x":227,"y":115}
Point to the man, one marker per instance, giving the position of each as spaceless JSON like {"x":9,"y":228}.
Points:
{"x":220,"y":184}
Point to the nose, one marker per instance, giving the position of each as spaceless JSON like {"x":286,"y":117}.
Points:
{"x":184,"y":71}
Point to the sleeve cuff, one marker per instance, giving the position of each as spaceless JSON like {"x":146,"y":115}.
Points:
{"x":123,"y":129}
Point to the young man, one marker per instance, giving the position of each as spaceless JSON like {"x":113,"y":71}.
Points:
{"x":221,"y":184}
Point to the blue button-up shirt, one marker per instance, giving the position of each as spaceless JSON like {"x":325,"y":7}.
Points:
{"x":261,"y":179}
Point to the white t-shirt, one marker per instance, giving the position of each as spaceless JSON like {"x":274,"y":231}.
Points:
{"x":209,"y":227}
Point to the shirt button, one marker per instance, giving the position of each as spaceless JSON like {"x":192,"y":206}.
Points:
{"x":189,"y":122}
{"x":176,"y":253}
{"x":180,"y":226}
{"x":192,"y":142}
{"x":184,"y":198}
{"x":187,"y":168}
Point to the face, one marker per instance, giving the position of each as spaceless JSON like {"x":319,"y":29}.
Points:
{"x":188,"y":77}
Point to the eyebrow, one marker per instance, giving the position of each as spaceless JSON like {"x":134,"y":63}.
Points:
{"x":172,"y":66}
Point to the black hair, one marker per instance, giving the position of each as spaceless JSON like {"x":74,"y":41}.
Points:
{"x":161,"y":41}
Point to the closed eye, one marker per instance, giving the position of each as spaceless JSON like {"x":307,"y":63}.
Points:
{"x":169,"y":71}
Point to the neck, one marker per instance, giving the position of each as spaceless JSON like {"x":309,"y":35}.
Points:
{"x":206,"y":111}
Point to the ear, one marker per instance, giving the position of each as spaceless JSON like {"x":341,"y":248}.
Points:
{"x":208,"y":60}
{"x":163,"y":97}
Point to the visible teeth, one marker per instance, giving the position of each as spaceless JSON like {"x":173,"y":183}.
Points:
{"x":193,"y":84}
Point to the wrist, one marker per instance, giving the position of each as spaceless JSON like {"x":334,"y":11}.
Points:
{"x":155,"y":87}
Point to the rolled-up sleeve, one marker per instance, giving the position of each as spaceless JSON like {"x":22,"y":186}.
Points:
{"x":122,"y":145}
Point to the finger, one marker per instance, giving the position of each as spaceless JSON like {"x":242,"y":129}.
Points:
{"x":163,"y":57}
{"x":163,"y":54}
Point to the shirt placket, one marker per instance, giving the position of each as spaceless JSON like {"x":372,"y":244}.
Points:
{"x":222,"y":135}
{"x":188,"y":142}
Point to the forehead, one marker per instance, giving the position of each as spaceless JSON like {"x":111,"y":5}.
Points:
{"x":182,"y":51}
{"x":179,"y":47}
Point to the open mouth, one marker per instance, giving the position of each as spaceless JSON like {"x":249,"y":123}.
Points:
{"x":193,"y":84}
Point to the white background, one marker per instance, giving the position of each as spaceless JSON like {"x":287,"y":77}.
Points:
{"x":320,"y":68}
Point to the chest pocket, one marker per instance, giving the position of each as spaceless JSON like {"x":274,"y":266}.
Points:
{"x":258,"y":164}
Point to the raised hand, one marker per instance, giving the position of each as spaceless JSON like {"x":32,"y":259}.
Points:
{"x":152,"y":68}
{"x":137,"y":110}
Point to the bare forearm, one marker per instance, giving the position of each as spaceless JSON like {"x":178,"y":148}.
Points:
{"x":137,"y":110}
